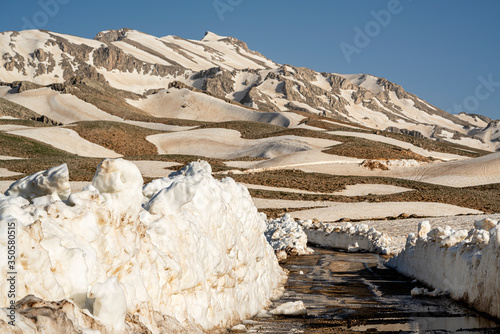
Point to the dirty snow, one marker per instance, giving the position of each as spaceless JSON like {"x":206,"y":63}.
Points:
{"x":463,"y":263}
{"x":194,"y":253}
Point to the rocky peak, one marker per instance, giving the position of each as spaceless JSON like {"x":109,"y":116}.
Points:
{"x":109,"y":36}
{"x":211,"y":37}
{"x":392,"y":87}
{"x":477,"y":117}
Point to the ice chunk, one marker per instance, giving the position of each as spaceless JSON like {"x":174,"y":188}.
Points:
{"x":291,"y":309}
{"x":454,"y":238}
{"x":241,"y":328}
{"x":425,"y":292}
{"x":485,"y":224}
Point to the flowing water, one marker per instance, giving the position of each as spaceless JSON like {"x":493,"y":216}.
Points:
{"x":355,"y":293}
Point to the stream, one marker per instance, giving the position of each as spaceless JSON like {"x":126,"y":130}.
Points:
{"x":355,"y":293}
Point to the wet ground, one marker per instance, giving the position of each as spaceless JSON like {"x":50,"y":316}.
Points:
{"x":355,"y":293}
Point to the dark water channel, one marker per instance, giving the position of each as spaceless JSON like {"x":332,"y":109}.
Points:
{"x":355,"y":293}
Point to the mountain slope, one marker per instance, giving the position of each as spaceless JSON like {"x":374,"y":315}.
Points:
{"x":226,"y":68}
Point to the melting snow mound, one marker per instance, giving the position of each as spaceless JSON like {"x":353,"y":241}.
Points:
{"x":286,"y":237}
{"x":353,"y":238}
{"x":465,"y":264}
{"x":111,"y":260}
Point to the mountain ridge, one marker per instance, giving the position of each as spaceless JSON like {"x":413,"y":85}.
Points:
{"x":225,"y":67}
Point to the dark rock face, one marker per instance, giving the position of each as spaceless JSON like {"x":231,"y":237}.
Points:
{"x":412,"y":133}
{"x":111,"y":35}
{"x":40,"y":55}
{"x":23,"y":86}
{"x":15,"y":61}
{"x":46,"y":120}
{"x":220,"y":84}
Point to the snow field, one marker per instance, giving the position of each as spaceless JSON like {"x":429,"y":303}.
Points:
{"x":194,"y":252}
{"x":186,"y":104}
{"x":228,"y":144}
{"x":465,"y":264}
{"x":67,"y":140}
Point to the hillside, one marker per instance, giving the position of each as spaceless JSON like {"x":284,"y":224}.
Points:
{"x":226,"y":68}
{"x":162,"y":102}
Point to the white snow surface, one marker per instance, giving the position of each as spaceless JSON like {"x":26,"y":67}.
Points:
{"x":186,"y":104}
{"x":366,"y":81}
{"x":334,"y":211}
{"x":64,"y":108}
{"x":466,"y":264}
{"x":353,"y":238}
{"x":228,"y":144}
{"x":195,"y":251}
{"x":54,"y":181}
{"x":67,"y":140}
{"x":464,"y":173}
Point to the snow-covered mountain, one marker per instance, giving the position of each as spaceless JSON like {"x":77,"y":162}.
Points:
{"x":226,"y":68}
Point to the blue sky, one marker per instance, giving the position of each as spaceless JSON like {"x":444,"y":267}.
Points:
{"x":446,"y":52}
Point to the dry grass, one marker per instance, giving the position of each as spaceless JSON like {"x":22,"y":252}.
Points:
{"x":374,"y":164}
{"x":427,"y":144}
{"x":485,"y":198}
{"x":351,"y":146}
{"x":366,"y":149}
{"x":122,"y":138}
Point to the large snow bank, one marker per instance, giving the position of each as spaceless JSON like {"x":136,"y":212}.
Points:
{"x":357,"y":238}
{"x":286,"y":237}
{"x":194,"y":253}
{"x":465,"y":264}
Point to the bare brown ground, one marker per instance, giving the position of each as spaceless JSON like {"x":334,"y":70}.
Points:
{"x":485,"y":198}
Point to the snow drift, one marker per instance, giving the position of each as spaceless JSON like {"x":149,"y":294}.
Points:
{"x":286,"y":237}
{"x":466,"y":264}
{"x":192,"y":253}
{"x":357,"y":238}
